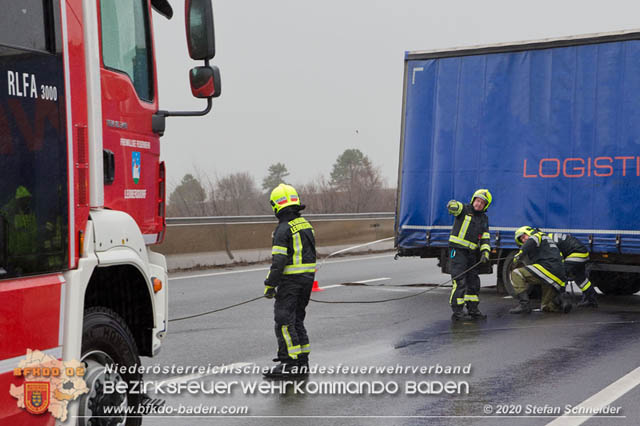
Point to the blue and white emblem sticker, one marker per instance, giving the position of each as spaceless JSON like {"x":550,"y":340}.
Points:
{"x":135,"y":166}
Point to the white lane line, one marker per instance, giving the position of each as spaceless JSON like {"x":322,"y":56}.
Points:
{"x":401,"y":290}
{"x":508,"y":297}
{"x":213,"y":274}
{"x":331,"y":286}
{"x":196,"y":376}
{"x":217,"y":273}
{"x":600,"y":400}
{"x":373,"y":280}
{"x":328,"y":262}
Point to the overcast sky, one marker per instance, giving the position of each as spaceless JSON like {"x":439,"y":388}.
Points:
{"x":302,"y":81}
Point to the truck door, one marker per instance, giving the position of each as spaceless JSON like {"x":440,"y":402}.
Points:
{"x":33,"y":148}
{"x":129,"y":98}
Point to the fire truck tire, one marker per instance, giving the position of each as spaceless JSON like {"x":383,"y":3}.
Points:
{"x":106,"y":339}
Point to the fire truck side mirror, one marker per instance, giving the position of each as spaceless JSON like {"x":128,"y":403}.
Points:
{"x":199,"y":25}
{"x":205,"y":82}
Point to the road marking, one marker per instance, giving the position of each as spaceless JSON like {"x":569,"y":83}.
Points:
{"x":331,"y":286}
{"x":602,"y":399}
{"x":402,"y":290}
{"x":373,"y":280}
{"x":359,"y":258}
{"x":212,"y":274}
{"x":508,"y":297}
{"x":217,"y":273}
{"x":196,"y":376}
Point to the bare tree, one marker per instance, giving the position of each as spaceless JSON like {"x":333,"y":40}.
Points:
{"x":237,"y":194}
{"x":188,"y":198}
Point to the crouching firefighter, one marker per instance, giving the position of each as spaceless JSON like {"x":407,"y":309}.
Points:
{"x":290,"y":281}
{"x":576,"y":257}
{"x":546,"y":268}
{"x":469,"y":237}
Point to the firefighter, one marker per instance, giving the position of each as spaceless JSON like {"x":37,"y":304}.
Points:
{"x":22,"y":227}
{"x":576,"y":257}
{"x":290,"y":281}
{"x":546,"y":268}
{"x":469,"y":237}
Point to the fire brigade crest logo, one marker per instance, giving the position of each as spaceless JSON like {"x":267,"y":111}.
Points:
{"x":43,"y":383}
{"x":135,"y":166}
{"x":36,"y":399}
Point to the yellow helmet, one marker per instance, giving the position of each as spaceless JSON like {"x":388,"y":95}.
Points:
{"x":283,"y":196}
{"x":523,"y":230}
{"x":483,"y":194}
{"x":22,"y":192}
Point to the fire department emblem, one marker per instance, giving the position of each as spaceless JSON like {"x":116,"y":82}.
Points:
{"x":36,"y":399}
{"x":135,"y":166}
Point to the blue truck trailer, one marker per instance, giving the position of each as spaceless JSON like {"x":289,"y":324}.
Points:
{"x":551,"y":128}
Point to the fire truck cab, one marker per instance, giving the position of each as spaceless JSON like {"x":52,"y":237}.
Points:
{"x":82,"y":199}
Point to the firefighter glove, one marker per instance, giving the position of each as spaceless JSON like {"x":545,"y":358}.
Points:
{"x":269,"y":291}
{"x":516,"y":259}
{"x":485,"y":257}
{"x":454,"y":207}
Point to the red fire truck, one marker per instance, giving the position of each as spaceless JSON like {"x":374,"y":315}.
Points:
{"x":82,"y":192}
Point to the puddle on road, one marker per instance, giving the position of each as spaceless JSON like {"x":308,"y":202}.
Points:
{"x":580,"y":340}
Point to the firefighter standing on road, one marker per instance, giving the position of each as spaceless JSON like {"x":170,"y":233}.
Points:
{"x":576,"y":257}
{"x":546,"y":268}
{"x":469,"y":235}
{"x":290,"y":280}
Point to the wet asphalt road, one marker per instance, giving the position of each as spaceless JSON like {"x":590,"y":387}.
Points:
{"x":518,"y":364}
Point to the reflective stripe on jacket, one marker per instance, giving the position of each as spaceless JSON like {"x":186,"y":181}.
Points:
{"x":571,"y":248}
{"x":293,"y":252}
{"x":470,"y":229}
{"x":543,"y":252}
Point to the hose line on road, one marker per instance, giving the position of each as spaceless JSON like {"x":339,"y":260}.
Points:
{"x":336,"y":302}
{"x":405,"y":297}
{"x":216,"y":310}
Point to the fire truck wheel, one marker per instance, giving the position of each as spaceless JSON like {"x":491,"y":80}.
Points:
{"x":107,"y":340}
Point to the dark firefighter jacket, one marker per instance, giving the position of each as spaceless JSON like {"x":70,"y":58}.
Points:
{"x":545,"y":257}
{"x":293,"y":254}
{"x":570,"y":247}
{"x":470,"y":229}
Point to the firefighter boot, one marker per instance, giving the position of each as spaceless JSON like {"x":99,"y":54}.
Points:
{"x":458,"y":313}
{"x":524,"y":307}
{"x":303,"y":365}
{"x":563,"y":301}
{"x":283,"y":370}
{"x":474,"y":312}
{"x":588,"y":299}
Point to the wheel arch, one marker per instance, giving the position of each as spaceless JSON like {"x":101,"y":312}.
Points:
{"x":124,"y":289}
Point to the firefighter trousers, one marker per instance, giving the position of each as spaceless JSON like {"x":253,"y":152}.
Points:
{"x":467,"y":286}
{"x":578,"y":272}
{"x":292,"y":299}
{"x":522,"y":279}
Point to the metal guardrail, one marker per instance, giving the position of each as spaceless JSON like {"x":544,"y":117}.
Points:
{"x":214,"y":220}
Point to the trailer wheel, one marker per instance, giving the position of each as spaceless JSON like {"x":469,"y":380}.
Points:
{"x":507,"y":267}
{"x":616,"y":283}
{"x":107,"y":340}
